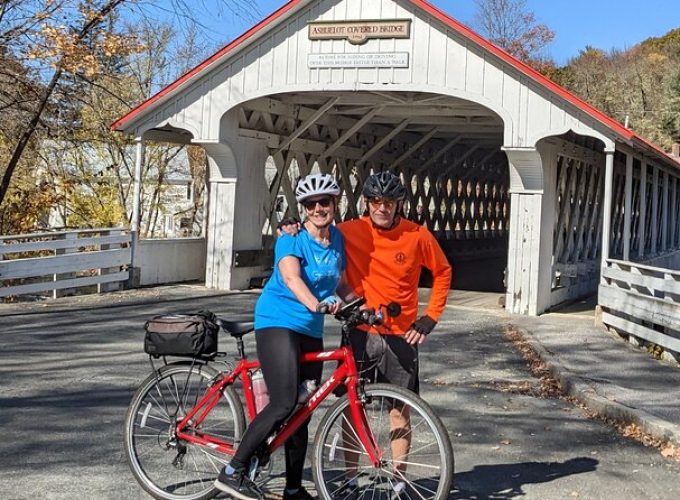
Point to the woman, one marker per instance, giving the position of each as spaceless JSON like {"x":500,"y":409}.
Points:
{"x":307,"y":271}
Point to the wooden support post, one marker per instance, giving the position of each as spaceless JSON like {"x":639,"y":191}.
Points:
{"x":664,"y":214}
{"x":655,"y":207}
{"x":136,"y":201}
{"x":642,"y":221}
{"x":628,"y":207}
{"x":607,"y":206}
{"x":71,"y":248}
{"x":673,"y":213}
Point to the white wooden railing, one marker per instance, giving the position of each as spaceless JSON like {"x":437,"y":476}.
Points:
{"x":58,"y":262}
{"x":642,"y":301}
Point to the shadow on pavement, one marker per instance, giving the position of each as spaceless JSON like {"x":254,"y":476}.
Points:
{"x":505,"y":481}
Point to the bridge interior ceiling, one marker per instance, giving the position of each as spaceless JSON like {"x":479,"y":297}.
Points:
{"x":446,"y":150}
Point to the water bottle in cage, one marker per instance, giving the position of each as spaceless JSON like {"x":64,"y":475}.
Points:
{"x":259,"y":391}
{"x":306,"y":389}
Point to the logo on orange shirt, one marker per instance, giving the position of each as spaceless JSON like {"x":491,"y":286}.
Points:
{"x":400,"y":258}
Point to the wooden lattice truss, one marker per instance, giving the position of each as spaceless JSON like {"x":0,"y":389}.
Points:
{"x":655,"y":210}
{"x":578,"y":212}
{"x":446,"y":150}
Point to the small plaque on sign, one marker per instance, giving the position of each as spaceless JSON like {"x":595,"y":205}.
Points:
{"x":349,"y":60}
{"x":358,"y":32}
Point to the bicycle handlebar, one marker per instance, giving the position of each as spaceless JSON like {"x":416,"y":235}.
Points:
{"x":352,"y":313}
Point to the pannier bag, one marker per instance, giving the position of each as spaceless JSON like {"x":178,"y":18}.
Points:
{"x":193,"y":335}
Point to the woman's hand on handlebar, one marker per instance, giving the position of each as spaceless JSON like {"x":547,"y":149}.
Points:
{"x":330,"y":306}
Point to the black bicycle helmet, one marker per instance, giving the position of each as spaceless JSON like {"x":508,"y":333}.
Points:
{"x":384,"y":185}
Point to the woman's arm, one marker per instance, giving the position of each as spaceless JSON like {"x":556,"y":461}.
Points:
{"x":289,"y":267}
{"x":344,"y":290}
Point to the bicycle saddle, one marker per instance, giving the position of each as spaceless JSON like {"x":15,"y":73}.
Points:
{"x":236,"y":328}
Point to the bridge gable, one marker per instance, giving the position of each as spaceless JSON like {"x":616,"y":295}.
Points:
{"x":442,"y":56}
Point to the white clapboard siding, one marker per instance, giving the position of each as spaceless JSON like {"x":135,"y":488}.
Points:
{"x":275,"y":60}
{"x":642,"y":301}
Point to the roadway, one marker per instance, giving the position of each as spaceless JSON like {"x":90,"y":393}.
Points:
{"x":69,"y":368}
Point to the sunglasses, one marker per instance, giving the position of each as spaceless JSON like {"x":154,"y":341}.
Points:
{"x":325,"y":202}
{"x":376,"y":202}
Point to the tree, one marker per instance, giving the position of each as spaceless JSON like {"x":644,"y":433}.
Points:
{"x":57,"y":42}
{"x":633,"y":86}
{"x":671,"y":115}
{"x":511,"y":26}
{"x":89,"y":163}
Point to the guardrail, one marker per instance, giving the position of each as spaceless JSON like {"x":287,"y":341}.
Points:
{"x":60,"y":262}
{"x":642,"y":301}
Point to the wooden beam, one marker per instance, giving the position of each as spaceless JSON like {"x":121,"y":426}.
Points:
{"x":460,"y":160}
{"x":305,"y":145}
{"x":664,"y":214}
{"x":378,"y":145}
{"x":642,"y":221}
{"x":674,"y":213}
{"x":628,"y":207}
{"x":655,"y":207}
{"x":414,"y":147}
{"x":351,"y":131}
{"x":439,"y":154}
{"x":307,"y":123}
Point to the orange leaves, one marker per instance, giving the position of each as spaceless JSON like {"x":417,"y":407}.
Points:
{"x":63,"y":47}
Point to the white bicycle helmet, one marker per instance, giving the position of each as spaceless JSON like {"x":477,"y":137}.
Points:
{"x":316,"y":185}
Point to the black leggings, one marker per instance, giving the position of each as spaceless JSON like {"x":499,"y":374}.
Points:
{"x":279,"y":350}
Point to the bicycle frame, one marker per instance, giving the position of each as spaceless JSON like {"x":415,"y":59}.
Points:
{"x":346,"y":373}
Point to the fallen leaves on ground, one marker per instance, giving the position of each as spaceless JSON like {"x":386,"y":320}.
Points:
{"x":549,"y":388}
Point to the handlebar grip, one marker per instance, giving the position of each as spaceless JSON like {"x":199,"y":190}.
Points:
{"x":371,"y":318}
{"x":322,"y":308}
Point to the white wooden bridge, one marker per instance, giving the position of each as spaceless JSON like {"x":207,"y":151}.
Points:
{"x":499,"y":162}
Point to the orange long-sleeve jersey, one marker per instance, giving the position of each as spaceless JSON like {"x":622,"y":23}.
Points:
{"x":384,"y":266}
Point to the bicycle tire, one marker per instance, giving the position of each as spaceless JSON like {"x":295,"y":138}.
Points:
{"x":426,"y":474}
{"x":160,"y":402}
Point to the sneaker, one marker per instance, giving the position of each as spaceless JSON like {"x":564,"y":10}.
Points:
{"x":301,"y":494}
{"x":348,"y":491}
{"x":238,"y":486}
{"x":397,"y":489}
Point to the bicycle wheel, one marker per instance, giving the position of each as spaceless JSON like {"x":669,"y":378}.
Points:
{"x":151,"y":449}
{"x":417,"y":460}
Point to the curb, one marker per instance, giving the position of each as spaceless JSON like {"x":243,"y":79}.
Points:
{"x":576,"y":387}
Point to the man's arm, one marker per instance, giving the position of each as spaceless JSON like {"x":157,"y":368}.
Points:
{"x":435,"y":260}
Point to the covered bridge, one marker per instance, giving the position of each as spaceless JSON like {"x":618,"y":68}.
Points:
{"x":505,"y":167}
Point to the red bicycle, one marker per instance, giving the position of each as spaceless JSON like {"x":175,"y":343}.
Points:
{"x":186,"y":420}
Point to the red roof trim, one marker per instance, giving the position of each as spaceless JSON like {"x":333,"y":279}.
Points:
{"x":524,"y":68}
{"x":238,"y":41}
{"x":449,"y":21}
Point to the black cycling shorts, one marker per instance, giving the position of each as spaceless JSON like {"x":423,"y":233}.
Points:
{"x":386,"y":358}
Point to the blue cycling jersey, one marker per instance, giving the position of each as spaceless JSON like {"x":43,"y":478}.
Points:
{"x":320,"y":269}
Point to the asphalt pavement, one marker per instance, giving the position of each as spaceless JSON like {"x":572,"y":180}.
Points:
{"x":69,"y":368}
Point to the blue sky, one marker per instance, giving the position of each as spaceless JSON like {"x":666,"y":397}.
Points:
{"x":604,"y":24}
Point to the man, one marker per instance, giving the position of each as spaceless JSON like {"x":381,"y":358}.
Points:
{"x":385,"y":253}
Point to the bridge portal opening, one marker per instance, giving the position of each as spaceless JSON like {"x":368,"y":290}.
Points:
{"x":446,"y":149}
